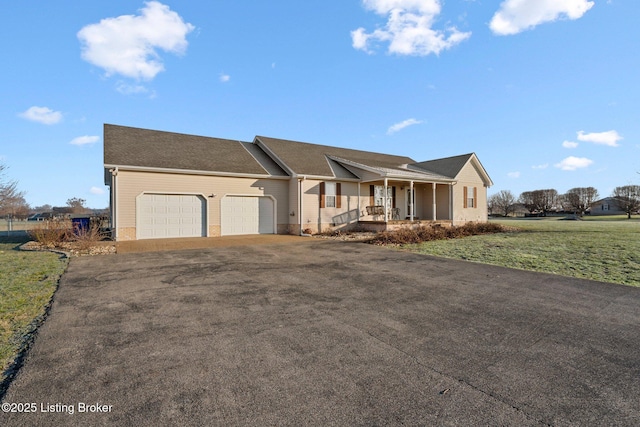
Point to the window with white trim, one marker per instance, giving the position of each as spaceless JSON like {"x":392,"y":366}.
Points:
{"x":330,"y":194}
{"x":471,"y":199}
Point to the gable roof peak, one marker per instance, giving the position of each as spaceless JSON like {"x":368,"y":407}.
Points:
{"x":304,"y":158}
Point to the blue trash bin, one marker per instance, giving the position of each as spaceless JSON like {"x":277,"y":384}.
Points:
{"x":80,"y":225}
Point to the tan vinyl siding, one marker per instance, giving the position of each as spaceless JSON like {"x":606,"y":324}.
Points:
{"x":294,"y":206}
{"x":131,"y":184}
{"x":319,"y":219}
{"x":469,"y":177}
{"x":442,"y":197}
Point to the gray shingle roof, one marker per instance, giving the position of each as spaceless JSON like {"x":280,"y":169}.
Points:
{"x":265,"y":161}
{"x":401,"y":171}
{"x":449,"y":166}
{"x":127,"y":146}
{"x":143,"y":148}
{"x":311,"y":159}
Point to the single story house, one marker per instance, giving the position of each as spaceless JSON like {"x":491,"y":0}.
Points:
{"x":165,"y":184}
{"x":606,"y":206}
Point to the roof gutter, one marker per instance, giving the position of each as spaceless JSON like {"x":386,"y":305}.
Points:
{"x":193,"y":172}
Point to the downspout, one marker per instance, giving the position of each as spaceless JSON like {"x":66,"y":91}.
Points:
{"x":114,"y":206}
{"x":300,"y":195}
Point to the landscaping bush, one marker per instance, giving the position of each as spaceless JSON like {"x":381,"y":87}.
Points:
{"x":52,"y":232}
{"x":59,"y":234}
{"x":87,"y":237}
{"x":426,"y":233}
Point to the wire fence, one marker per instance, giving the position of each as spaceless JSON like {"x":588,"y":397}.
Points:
{"x":12,"y":225}
{"x":17,"y":225}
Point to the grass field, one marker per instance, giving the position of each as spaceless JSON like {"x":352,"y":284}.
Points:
{"x":27,"y":283}
{"x":598,"y":249}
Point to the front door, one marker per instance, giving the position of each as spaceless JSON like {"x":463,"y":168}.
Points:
{"x":379,"y":199}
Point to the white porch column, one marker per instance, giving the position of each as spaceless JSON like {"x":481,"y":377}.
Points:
{"x":411,"y":207}
{"x":386,"y":201}
{"x":435,"y":206}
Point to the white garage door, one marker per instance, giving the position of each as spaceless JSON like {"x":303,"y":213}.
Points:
{"x":170,"y":215}
{"x":247,"y":215}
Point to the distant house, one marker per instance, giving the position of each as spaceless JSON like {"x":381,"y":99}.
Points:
{"x":43,"y":216}
{"x":166,"y":184}
{"x":606,"y":206}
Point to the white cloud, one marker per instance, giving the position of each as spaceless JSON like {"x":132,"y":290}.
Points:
{"x":42,"y":115}
{"x":408,"y":29}
{"x":128,"y":44}
{"x":609,"y":138}
{"x":570,"y":144}
{"x":225,"y":78}
{"x":84,"y":140}
{"x":543,"y":166}
{"x":399,"y":126}
{"x":572,"y":163}
{"x":515,"y":16}
{"x":96,"y":190}
{"x":513,"y":174}
{"x":135,"y":89}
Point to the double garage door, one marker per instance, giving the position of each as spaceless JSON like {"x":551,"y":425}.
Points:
{"x":176,"y":215}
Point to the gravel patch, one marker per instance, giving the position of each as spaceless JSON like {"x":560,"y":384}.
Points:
{"x":74,"y":249}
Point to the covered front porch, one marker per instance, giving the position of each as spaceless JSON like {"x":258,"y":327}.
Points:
{"x":379,"y":226}
{"x":390,"y":203}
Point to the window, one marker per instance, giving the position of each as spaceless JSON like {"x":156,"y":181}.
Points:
{"x":470,"y":197}
{"x":330,"y":194}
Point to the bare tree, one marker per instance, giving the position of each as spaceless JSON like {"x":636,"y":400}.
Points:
{"x":627,"y":198}
{"x":16,"y":207}
{"x":503,"y":202}
{"x":9,"y":194}
{"x":77,"y":205}
{"x":579,"y":199}
{"x":43,"y":208}
{"x":528,"y":200}
{"x":550,"y":199}
{"x":540,"y":200}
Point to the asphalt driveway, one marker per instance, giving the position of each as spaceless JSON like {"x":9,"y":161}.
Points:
{"x":328,"y":333}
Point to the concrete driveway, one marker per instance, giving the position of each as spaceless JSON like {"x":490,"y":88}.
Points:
{"x":328,"y":333}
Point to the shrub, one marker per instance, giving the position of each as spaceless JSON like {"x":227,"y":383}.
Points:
{"x":426,"y":233}
{"x":87,"y":237}
{"x":52,"y":232}
{"x":56,"y":233}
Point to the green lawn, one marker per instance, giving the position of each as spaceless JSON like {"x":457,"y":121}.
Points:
{"x":27,"y":283}
{"x":597,"y":249}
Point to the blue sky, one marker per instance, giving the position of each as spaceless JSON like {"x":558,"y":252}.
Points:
{"x":546,"y":92}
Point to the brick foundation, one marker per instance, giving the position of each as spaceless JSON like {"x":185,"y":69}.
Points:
{"x":126,"y":233}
